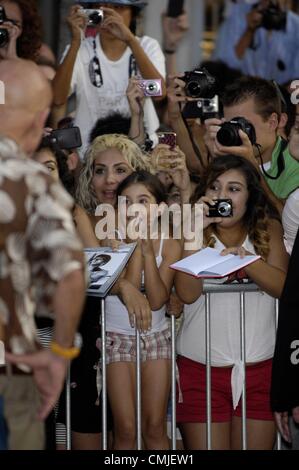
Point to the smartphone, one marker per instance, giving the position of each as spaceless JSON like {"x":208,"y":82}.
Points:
{"x":175,"y":8}
{"x":66,"y":139}
{"x":167,"y":138}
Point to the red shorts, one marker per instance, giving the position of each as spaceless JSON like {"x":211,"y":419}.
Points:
{"x":193,"y":388}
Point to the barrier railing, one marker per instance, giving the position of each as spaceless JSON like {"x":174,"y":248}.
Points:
{"x":242,"y":289}
{"x":209,"y":289}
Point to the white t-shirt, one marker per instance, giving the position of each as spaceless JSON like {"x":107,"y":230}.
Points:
{"x":93,"y":103}
{"x":117,"y":317}
{"x":225,"y":330}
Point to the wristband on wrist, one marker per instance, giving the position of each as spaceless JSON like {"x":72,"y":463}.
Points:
{"x":67,"y":353}
{"x":168,"y":51}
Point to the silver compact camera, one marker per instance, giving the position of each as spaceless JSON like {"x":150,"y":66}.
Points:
{"x":222,"y":208}
{"x":151,"y":87}
{"x":94,"y":17}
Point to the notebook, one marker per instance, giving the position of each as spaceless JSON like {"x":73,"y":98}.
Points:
{"x":208,"y":263}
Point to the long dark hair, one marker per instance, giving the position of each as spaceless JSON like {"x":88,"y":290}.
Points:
{"x":259,"y":208}
{"x":30,"y":41}
{"x":151,"y":182}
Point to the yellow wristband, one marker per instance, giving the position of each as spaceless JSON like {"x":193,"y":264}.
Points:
{"x":66,"y":353}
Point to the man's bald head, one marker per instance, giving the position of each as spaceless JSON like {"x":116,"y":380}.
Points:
{"x":28,"y":98}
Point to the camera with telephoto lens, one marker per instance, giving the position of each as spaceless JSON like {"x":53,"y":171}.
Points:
{"x":274,"y":18}
{"x":95,"y":17}
{"x":228,"y":135}
{"x":199,"y":84}
{"x":151,"y":87}
{"x":4,"y":35}
{"x":222,"y":208}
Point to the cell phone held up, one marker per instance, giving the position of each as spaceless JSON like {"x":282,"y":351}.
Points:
{"x":167,"y":138}
{"x":221,"y":208}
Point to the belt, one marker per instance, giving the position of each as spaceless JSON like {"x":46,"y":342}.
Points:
{"x":12,"y":370}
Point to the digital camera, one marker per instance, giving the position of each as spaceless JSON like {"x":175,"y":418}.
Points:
{"x":95,"y":17}
{"x":222,"y":208}
{"x":228,"y":135}
{"x":64,"y":139}
{"x":151,"y":87}
{"x":4,"y":35}
{"x":199,"y":84}
{"x":274,"y":18}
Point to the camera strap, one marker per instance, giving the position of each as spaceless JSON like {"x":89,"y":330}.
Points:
{"x":95,"y":71}
{"x":280,"y":161}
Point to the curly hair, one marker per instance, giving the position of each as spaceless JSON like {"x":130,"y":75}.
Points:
{"x":259,"y":209}
{"x":85,"y":194}
{"x":30,"y":41}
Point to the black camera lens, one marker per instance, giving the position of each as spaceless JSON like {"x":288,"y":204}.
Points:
{"x":228,"y":135}
{"x":95,"y":18}
{"x":200,"y":84}
{"x":4,"y":37}
{"x":222,"y":208}
{"x":193,"y":89}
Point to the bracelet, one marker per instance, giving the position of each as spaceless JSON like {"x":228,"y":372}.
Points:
{"x":66,"y":353}
{"x":168,"y":51}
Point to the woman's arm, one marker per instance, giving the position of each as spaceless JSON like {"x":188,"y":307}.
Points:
{"x":187,"y":287}
{"x":159,"y":281}
{"x":135,"y":268}
{"x":85,"y":229}
{"x":270,"y":276}
{"x":114,"y":23}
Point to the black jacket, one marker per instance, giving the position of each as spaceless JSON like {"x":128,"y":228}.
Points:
{"x":285,"y":373}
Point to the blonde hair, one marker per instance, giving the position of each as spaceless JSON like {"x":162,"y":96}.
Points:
{"x":85,"y":194}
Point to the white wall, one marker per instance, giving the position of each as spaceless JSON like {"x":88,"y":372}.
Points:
{"x":189,"y":54}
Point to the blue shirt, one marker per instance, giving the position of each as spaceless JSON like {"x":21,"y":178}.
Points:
{"x":280,"y":47}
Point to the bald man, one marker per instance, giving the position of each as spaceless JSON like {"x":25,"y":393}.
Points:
{"x":41,"y":264}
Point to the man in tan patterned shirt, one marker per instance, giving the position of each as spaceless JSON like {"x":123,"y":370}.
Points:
{"x":41,"y":262}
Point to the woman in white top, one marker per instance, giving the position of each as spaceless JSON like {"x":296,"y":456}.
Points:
{"x":149,"y":267}
{"x":98,"y":68}
{"x":253,"y":228}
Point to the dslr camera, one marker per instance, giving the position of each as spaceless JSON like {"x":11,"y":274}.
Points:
{"x":4,"y":35}
{"x":228,"y":135}
{"x":222,"y":208}
{"x":274,"y":17}
{"x":94,"y":17}
{"x":199,"y":84}
{"x":151,"y":87}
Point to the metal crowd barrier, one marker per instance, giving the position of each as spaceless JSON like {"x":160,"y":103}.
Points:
{"x":242,"y":289}
{"x":209,"y":289}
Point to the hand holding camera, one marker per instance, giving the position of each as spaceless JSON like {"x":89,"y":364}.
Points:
{"x":77,"y":22}
{"x":114,"y":24}
{"x":135,"y":97}
{"x":208,"y":203}
{"x":9,"y":34}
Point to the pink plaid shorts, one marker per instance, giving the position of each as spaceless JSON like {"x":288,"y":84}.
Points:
{"x":122,"y":348}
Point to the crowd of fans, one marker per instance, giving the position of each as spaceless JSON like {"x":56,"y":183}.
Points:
{"x":234,"y":126}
